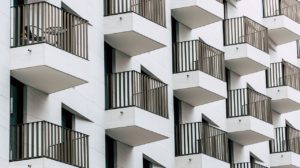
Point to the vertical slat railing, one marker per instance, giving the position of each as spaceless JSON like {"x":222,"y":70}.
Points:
{"x":132,"y":88}
{"x":287,"y":139}
{"x":244,"y":30}
{"x":42,"y":22}
{"x":247,"y":165}
{"x":196,"y":55}
{"x":153,"y":10}
{"x":44,"y":139}
{"x":197,"y":138}
{"x":289,"y":8}
{"x":248,"y":102}
{"x":283,"y":74}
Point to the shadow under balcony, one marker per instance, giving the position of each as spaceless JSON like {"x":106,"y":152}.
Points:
{"x":137,"y":112}
{"x":197,"y":13}
{"x":282,"y":19}
{"x":249,"y":117}
{"x":198,"y":73}
{"x":199,"y":145}
{"x":285,"y":148}
{"x":135,"y":26}
{"x":45,"y":143}
{"x":246,"y":45}
{"x":283,"y":86}
{"x":49,"y":50}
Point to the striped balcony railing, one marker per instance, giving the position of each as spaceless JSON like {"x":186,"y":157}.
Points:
{"x":153,"y":10}
{"x":244,"y":30}
{"x":288,"y":8}
{"x":196,"y":55}
{"x":248,"y":102}
{"x":42,"y":22}
{"x":283,"y":74}
{"x":247,"y":165}
{"x":200,"y":138}
{"x":131,"y":88}
{"x":47,"y":140}
{"x":287,"y":139}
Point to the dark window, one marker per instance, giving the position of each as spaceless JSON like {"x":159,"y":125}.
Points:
{"x":231,"y":151}
{"x":16,"y":116}
{"x":146,"y":163}
{"x":177,"y":111}
{"x":110,"y":152}
{"x":108,"y":69}
{"x":67,"y":119}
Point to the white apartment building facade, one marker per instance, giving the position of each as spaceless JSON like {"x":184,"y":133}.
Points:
{"x":149,"y":84}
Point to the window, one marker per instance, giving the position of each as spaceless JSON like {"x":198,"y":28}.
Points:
{"x":67,"y":119}
{"x":110,"y":152}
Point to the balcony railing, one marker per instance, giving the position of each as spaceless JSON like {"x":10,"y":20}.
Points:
{"x":44,"y":139}
{"x":248,"y":102}
{"x":289,"y":8}
{"x":196,"y":55}
{"x":131,"y":88}
{"x":45,"y":23}
{"x":287,"y":139}
{"x":197,"y":138}
{"x":244,"y":30}
{"x":153,"y":10}
{"x":283,"y":74}
{"x":247,"y":165}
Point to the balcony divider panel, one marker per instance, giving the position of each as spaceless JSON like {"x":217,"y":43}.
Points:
{"x":288,"y":8}
{"x":196,"y":55}
{"x":287,"y":139}
{"x":283,"y":74}
{"x":44,"y":139}
{"x":244,"y":30}
{"x":132,"y":88}
{"x":197,"y":138}
{"x":42,"y":22}
{"x":153,"y":10}
{"x":248,"y":102}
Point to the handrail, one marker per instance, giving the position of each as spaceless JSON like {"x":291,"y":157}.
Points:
{"x":45,"y":139}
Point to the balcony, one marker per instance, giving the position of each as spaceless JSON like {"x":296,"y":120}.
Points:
{"x":199,"y":73}
{"x":46,"y":46}
{"x":285,"y":148}
{"x":249,"y":117}
{"x":282,"y":18}
{"x":197,"y":13}
{"x":198,"y":145}
{"x":247,"y":165}
{"x":41,"y":141}
{"x":246,"y":46}
{"x":283,"y":86}
{"x":129,"y":25}
{"x":136,"y":102}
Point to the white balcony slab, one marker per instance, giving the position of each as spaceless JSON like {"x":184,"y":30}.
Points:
{"x":284,"y":99}
{"x":197,"y":13}
{"x":249,"y":130}
{"x":39,"y":163}
{"x":285,"y":160}
{"x":245,"y":59}
{"x":199,"y":161}
{"x":198,"y":88}
{"x":135,"y":126}
{"x":48,"y":68}
{"x":134,"y":34}
{"x":282,"y":29}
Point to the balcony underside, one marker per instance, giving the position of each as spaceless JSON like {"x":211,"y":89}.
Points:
{"x":245,"y":59}
{"x":197,"y":13}
{"x":284,"y":99}
{"x":285,"y":160}
{"x":133,"y":34}
{"x":199,"y":161}
{"x":198,"y":88}
{"x":134,"y":126}
{"x":47,"y":68}
{"x":249,"y":130}
{"x":282,"y":29}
